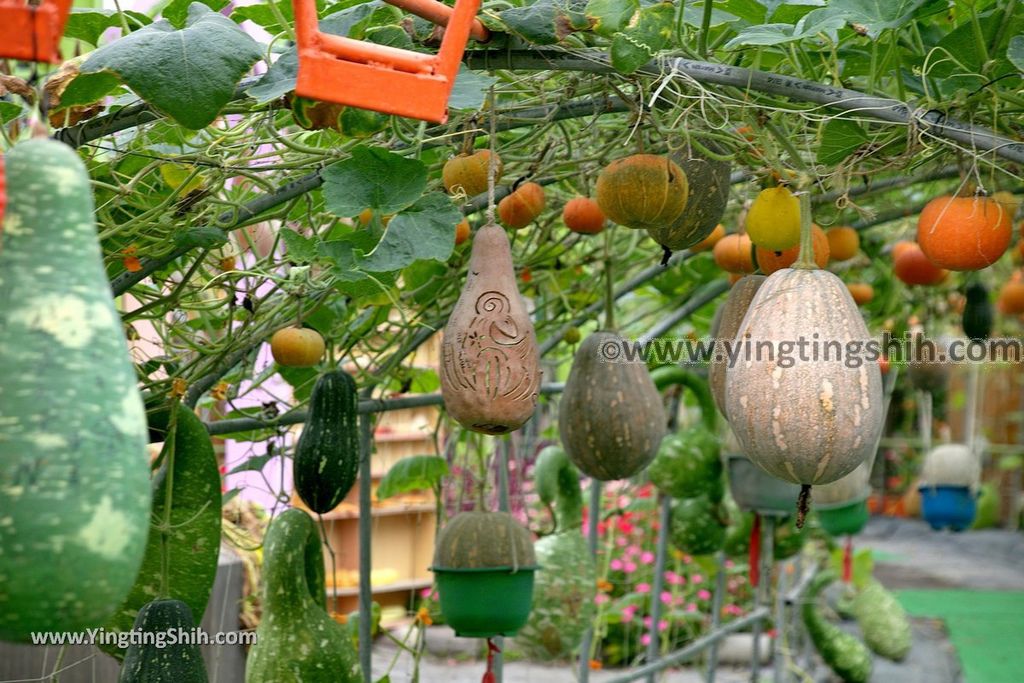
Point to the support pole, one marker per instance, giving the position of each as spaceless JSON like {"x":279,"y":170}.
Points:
{"x":665,"y":513}
{"x":716,"y":615}
{"x":365,"y":535}
{"x":763,"y":587}
{"x":593,"y":516}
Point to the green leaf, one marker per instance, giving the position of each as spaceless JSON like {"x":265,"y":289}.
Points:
{"x":88,"y":88}
{"x":343,"y":257}
{"x":9,"y":111}
{"x":693,"y":14}
{"x":201,"y":237}
{"x":88,"y":25}
{"x":840,"y":138}
{"x":263,"y":16}
{"x":177,"y":11}
{"x":811,"y":24}
{"x":229,"y":496}
{"x":876,"y":15}
{"x":413,"y":473}
{"x":1015,"y":51}
{"x":424,"y":279}
{"x":373,"y":178}
{"x":647,"y":34}
{"x":470,"y":89}
{"x":299,"y":249}
{"x":425,"y":230}
{"x":300,"y":379}
{"x":254,"y":464}
{"x":611,"y":16}
{"x":544,"y":22}
{"x":188,"y":74}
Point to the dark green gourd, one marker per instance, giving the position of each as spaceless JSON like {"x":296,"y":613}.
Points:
{"x":978,"y":314}
{"x":566,"y":583}
{"x":173,"y":662}
{"x":611,"y":418}
{"x":297,"y":641}
{"x":326,"y":458}
{"x":74,"y":473}
{"x":844,"y":654}
{"x":698,"y":525}
{"x":708,"y":181}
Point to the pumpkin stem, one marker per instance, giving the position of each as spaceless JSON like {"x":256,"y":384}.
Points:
{"x":806,"y":258}
{"x":666,"y":254}
{"x":803,"y":504}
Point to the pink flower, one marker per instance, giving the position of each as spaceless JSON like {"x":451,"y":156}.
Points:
{"x":629,"y":567}
{"x":601,"y":598}
{"x":663,"y":625}
{"x":624,"y":501}
{"x":691,"y":607}
{"x":647,"y":557}
{"x":643,"y":588}
{"x":632,"y":550}
{"x":645,"y":639}
{"x":704,"y":594}
{"x":734,"y":610}
{"x":621,"y":541}
{"x":616,"y":564}
{"x":729,"y":564}
{"x":628,"y":613}
{"x":425,"y":593}
{"x":687,"y":559}
{"x":674,"y":579}
{"x":647,"y":622}
{"x":666,"y":598}
{"x":696,"y":578}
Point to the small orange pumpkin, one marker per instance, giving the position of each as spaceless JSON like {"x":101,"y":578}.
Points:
{"x":861,"y":292}
{"x":462,"y":231}
{"x":733,"y":253}
{"x":522,"y":207}
{"x":642,"y":191}
{"x":1011,"y":297}
{"x":771,"y":261}
{"x":914,"y":268}
{"x":709,"y":242}
{"x":297,"y":347}
{"x":843,"y":243}
{"x":583,"y":215}
{"x":468,"y":172}
{"x":964,"y":233}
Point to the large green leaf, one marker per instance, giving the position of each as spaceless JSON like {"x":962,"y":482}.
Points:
{"x":611,"y":16}
{"x":176,"y":11}
{"x":470,"y":89}
{"x":1015,"y":51}
{"x":190,"y":74}
{"x":647,"y":34}
{"x":840,"y":138}
{"x":298,"y":249}
{"x":373,"y":178}
{"x":811,"y":24}
{"x":545,"y":22}
{"x":876,"y":15}
{"x":88,"y":25}
{"x":189,"y":547}
{"x":426,"y":230}
{"x":412,"y":473}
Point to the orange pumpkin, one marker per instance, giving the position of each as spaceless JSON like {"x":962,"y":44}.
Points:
{"x":642,"y":191}
{"x":843,"y":243}
{"x":914,"y":268}
{"x":861,"y":292}
{"x":1011,"y":298}
{"x":733,"y":253}
{"x":522,"y":207}
{"x":771,"y":261}
{"x":467,"y":173}
{"x":297,"y":347}
{"x":583,"y":215}
{"x":900,"y":247}
{"x":964,"y":233}
{"x":462,"y":231}
{"x":709,"y":242}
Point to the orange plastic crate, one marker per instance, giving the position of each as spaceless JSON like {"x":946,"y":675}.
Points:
{"x":32,"y":33}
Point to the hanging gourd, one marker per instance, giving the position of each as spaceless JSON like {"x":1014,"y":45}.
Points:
{"x":843,"y":243}
{"x":490,"y":366}
{"x":479,"y":556}
{"x":380,"y":77}
{"x":842,"y":506}
{"x":723,"y":333}
{"x":566,"y":583}
{"x":326,"y":459}
{"x":844,"y":654}
{"x":642,"y":191}
{"x":914,"y":268}
{"x":734,"y":254}
{"x":611,"y":419}
{"x":964,"y":233}
{"x":979,"y":315}
{"x":806,"y":421}
{"x":949,"y":483}
{"x":773,"y":219}
{"x":31,"y":31}
{"x":698,"y":525}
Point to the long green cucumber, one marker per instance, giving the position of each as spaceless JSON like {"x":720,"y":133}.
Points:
{"x":74,"y":473}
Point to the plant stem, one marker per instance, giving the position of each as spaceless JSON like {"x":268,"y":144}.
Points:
{"x":609,"y":285}
{"x":806,"y":258}
{"x":705,"y":26}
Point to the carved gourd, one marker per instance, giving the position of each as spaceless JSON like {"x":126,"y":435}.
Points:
{"x":490,"y":366}
{"x":728,"y":321}
{"x":805,"y":421}
{"x":611,"y":418}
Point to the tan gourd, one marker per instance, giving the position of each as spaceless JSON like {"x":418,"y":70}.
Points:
{"x":723,"y":333}
{"x":851,"y":488}
{"x":490,"y":367}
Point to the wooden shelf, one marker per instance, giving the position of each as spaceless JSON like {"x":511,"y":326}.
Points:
{"x":396,"y":587}
{"x":393,"y":437}
{"x":382,"y":511}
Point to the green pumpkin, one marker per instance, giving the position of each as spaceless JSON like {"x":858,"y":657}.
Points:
{"x":737,"y":535}
{"x":709,"y":182}
{"x":688,"y":465}
{"x":483,"y":540}
{"x":697,"y":525}
{"x":566,"y":583}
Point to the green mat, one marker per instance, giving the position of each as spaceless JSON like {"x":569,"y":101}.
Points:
{"x":986,"y":628}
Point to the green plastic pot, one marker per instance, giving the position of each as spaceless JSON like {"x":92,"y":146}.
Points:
{"x":484,"y":603}
{"x":755,"y":490}
{"x":841,"y":519}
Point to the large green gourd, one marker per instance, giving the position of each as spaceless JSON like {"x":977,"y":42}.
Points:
{"x":163,"y":661}
{"x":74,"y":474}
{"x":698,"y":525}
{"x":297,"y":641}
{"x":566,"y":583}
{"x":844,"y":654}
{"x":326,"y":458}
{"x":611,"y":419}
{"x":191,"y":543}
{"x":708,"y":182}
{"x":883,"y":621}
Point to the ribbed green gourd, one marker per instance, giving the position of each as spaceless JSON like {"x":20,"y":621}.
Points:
{"x":326,"y":458}
{"x":163,"y":661}
{"x":297,"y":641}
{"x":74,"y":473}
{"x":697,"y":525}
{"x":566,"y":583}
{"x":842,"y":652}
{"x":883,"y":621}
{"x":480,"y":540}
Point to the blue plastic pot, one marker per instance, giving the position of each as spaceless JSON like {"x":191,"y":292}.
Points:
{"x":948,"y":506}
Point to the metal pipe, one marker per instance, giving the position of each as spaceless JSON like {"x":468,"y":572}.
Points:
{"x":371,"y":53}
{"x":440,"y":14}
{"x":697,"y":646}
{"x":765,"y":562}
{"x":709,"y":292}
{"x":796,"y":593}
{"x":664,"y":519}
{"x":716,"y":614}
{"x":780,"y":625}
{"x":498,"y":663}
{"x":593,"y":516}
{"x":365,"y":540}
